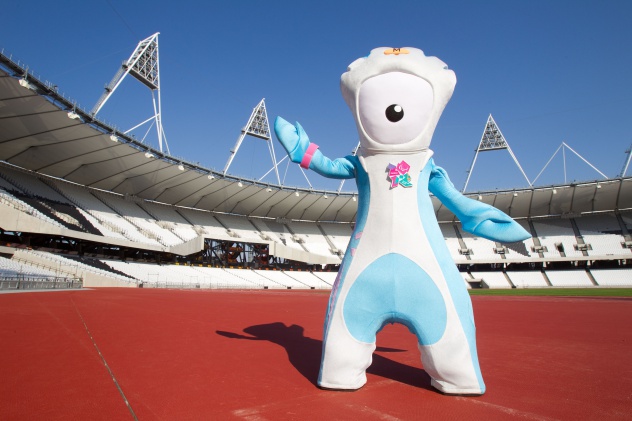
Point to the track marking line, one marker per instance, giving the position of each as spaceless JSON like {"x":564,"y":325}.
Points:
{"x":105,"y":362}
{"x":248,"y":414}
{"x":370,"y":411}
{"x":508,"y":411}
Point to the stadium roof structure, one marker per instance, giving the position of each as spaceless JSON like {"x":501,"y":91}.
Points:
{"x":44,"y":132}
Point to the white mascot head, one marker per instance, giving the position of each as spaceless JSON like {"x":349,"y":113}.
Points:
{"x":396,"y":96}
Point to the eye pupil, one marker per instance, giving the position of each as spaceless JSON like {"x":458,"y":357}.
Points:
{"x":394,"y":113}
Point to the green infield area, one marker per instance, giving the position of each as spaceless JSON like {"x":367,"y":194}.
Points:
{"x":556,"y":292}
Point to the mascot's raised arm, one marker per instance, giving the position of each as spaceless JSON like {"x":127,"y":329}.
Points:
{"x":397,"y":268}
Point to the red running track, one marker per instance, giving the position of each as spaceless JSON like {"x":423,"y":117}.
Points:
{"x":215,"y":355}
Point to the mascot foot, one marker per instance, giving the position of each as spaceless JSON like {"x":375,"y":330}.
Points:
{"x":339,"y":389}
{"x":466,"y":391}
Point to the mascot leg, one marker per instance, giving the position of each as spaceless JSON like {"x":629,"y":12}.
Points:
{"x":441,"y":318}
{"x":345,"y":359}
{"x":452,"y":362}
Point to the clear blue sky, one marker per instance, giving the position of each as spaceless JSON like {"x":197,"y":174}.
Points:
{"x":548,"y":71}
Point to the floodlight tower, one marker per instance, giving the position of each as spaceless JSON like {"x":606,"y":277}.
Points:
{"x":143,"y":65}
{"x":491,"y":140}
{"x":563,"y":146}
{"x":259,"y":127}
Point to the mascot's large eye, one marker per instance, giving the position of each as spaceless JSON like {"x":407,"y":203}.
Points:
{"x":394,"y":113}
{"x":382,"y":101}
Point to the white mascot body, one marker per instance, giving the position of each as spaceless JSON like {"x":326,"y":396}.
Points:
{"x":397,"y":268}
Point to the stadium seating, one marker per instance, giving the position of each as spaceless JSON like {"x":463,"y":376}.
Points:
{"x":557,"y":236}
{"x":311,"y":237}
{"x":603,"y":234}
{"x":15,"y":268}
{"x":138,"y":217}
{"x":338,"y":234}
{"x":240,"y":226}
{"x":613,"y":277}
{"x":185,"y":276}
{"x":308,"y":279}
{"x":169,"y":214}
{"x":107,"y":218}
{"x":569,"y":278}
{"x":29,"y":184}
{"x":5,"y":185}
{"x":65,"y":267}
{"x":64,"y":204}
{"x":496,"y":280}
{"x":277,"y":232}
{"x":327,"y":277}
{"x":205,"y":221}
{"x":467,"y":277}
{"x":481,"y":248}
{"x":8,"y":199}
{"x":449,"y":235}
{"x":281,"y":278}
{"x":527,"y":279}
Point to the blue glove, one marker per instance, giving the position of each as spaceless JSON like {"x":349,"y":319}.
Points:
{"x":294,"y":139}
{"x":296,"y":143}
{"x":476,"y":218}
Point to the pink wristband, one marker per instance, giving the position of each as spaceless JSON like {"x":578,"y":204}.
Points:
{"x":309,"y":154}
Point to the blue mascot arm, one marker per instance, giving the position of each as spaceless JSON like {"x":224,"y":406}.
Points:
{"x":300,"y":150}
{"x":477,"y":218}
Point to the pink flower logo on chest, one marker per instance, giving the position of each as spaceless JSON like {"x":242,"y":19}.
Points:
{"x":398,"y":175}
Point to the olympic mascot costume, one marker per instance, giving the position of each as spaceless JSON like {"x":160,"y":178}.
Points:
{"x":397,"y":268}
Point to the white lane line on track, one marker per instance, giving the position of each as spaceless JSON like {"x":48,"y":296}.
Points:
{"x":504,"y":409}
{"x":105,"y":362}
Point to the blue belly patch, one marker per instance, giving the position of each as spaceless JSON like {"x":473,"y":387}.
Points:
{"x":394,"y":289}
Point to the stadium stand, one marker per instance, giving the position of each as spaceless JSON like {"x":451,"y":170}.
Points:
{"x":58,"y":265}
{"x":30,"y":185}
{"x":312,"y":239}
{"x":309,"y":279}
{"x":16,"y":275}
{"x":467,"y":278}
{"x":205,"y":221}
{"x":527,"y":279}
{"x":169,"y":217}
{"x":557,"y":236}
{"x":481,"y":248}
{"x":139,"y":218}
{"x":8,"y":199}
{"x":108,"y":219}
{"x":277,"y":232}
{"x":185,"y":276}
{"x":613,"y":277}
{"x":602,"y":234}
{"x":17,"y":268}
{"x":327,"y":277}
{"x":569,"y":278}
{"x":239,"y":227}
{"x":455,"y":248}
{"x":282,"y":278}
{"x":147,"y":222}
{"x":337,"y":234}
{"x":495,"y":280}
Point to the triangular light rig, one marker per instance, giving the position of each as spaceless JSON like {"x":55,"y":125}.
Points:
{"x":563,"y":147}
{"x":142,"y":65}
{"x":258,"y":126}
{"x":492,"y":140}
